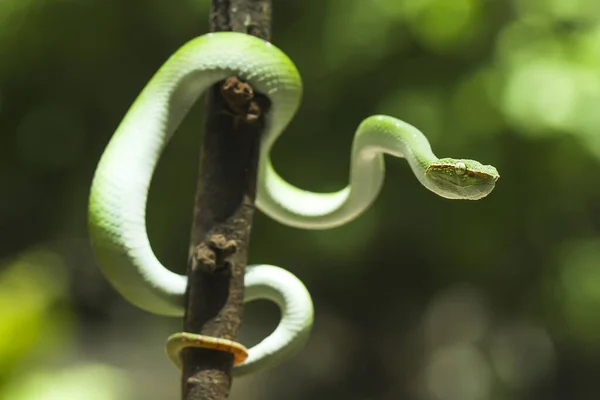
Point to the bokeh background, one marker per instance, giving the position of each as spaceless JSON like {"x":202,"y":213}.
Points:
{"x":420,"y":298}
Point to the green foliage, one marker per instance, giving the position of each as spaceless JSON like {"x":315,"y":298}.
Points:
{"x":82,"y":381}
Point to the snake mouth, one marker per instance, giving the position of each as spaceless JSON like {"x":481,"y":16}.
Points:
{"x":483,"y":180}
{"x":470,"y":179}
{"x":473,"y":186}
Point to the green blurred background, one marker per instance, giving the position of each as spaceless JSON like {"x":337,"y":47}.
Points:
{"x":419,"y":298}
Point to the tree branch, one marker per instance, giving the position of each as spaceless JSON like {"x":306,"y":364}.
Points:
{"x":223,"y":212}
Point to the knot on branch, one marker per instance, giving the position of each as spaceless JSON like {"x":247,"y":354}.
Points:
{"x":213,"y":255}
{"x":243,"y":103}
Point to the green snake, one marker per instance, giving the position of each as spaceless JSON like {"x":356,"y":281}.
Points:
{"x":117,"y":208}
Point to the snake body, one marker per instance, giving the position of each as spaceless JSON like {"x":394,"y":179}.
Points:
{"x":117,"y":208}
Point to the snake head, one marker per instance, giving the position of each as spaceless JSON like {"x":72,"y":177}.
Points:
{"x":461,"y":179}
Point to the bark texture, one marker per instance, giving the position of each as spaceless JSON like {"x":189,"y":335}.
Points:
{"x":223,"y":210}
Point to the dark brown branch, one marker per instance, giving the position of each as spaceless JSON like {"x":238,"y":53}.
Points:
{"x":223,"y":211}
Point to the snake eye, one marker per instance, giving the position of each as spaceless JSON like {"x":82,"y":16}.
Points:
{"x":460,"y":168}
